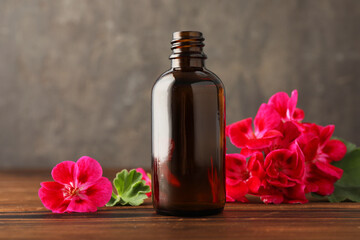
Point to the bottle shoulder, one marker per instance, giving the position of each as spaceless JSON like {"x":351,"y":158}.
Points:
{"x":214,"y":77}
{"x":203,"y":76}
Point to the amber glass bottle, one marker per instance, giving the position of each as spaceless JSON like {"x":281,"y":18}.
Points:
{"x":188,"y":133}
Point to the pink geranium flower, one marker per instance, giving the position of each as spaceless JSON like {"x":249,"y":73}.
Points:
{"x":266,"y":122}
{"x":146,"y":178}
{"x":286,"y":106}
{"x":78,"y":187}
{"x":320,"y":151}
{"x":284,"y":177}
{"x":285,"y":168}
{"x":241,"y":177}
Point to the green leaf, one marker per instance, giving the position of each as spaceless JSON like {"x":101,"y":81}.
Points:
{"x":345,"y":193}
{"x":131,"y":189}
{"x":351,"y":166}
{"x":348,"y":187}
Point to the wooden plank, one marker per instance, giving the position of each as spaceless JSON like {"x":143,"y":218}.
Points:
{"x":22,"y":216}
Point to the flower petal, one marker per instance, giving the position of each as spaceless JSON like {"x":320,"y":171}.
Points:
{"x":335,"y":149}
{"x":82,"y":204}
{"x":279,"y":156}
{"x":63,"y":172}
{"x":271,"y":170}
{"x":255,"y":165}
{"x":299,"y":168}
{"x":235,"y":166}
{"x":254,"y":184}
{"x":298,"y":114}
{"x":329,"y":169}
{"x":290,"y":132}
{"x":247,"y":152}
{"x":281,"y":181}
{"x":266,"y":119}
{"x":227,"y":130}
{"x":233,"y":181}
{"x":291,"y":105}
{"x":325,"y":133}
{"x":311,"y":187}
{"x":229,"y":199}
{"x":145,"y":177}
{"x":325,"y":186}
{"x":272,"y":134}
{"x":295,"y":194}
{"x":52,"y":197}
{"x":258,"y":144}
{"x":54,"y":186}
{"x":239,"y":132}
{"x":309,"y":144}
{"x":99,"y":193}
{"x":87,"y":170}
{"x":238,"y":191}
{"x":280,"y":102}
{"x":239,"y":139}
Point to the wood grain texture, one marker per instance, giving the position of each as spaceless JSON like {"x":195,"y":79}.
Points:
{"x":76,"y":76}
{"x":22,"y":216}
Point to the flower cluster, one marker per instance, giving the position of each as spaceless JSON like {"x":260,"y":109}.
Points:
{"x":281,"y":159}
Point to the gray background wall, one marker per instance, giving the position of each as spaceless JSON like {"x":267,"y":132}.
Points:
{"x":76,"y":76}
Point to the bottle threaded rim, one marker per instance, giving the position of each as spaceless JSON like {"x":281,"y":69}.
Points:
{"x":187,"y":44}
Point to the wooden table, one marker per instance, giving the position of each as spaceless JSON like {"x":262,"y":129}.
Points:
{"x":22,"y":216}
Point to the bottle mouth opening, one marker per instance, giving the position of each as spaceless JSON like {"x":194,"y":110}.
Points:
{"x":187,"y":44}
{"x":187,"y":35}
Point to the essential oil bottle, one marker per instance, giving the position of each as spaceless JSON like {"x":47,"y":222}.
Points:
{"x":188,"y":133}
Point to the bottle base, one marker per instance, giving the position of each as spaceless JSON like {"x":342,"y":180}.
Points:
{"x":189,"y":213}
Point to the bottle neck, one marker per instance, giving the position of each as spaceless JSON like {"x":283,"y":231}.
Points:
{"x":187,"y":63}
{"x":187,"y":51}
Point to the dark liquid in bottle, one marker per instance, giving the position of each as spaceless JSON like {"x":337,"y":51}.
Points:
{"x":188,"y":148}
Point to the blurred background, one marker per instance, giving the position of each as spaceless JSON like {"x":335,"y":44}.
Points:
{"x":76,"y":76}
